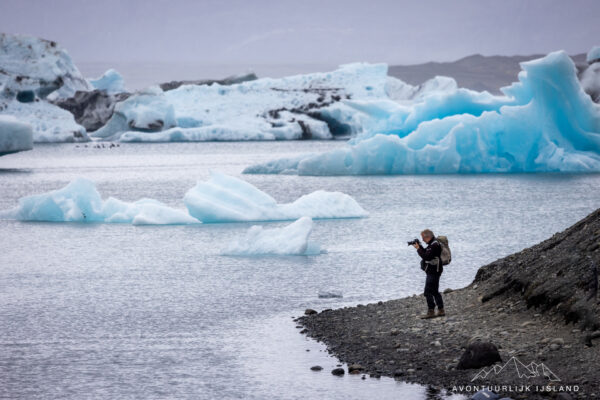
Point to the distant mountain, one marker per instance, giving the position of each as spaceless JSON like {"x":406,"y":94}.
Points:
{"x":475,"y":72}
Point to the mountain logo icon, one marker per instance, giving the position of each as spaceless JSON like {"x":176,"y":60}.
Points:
{"x":531,"y":370}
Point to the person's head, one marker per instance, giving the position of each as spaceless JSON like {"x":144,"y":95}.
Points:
{"x":427,"y":235}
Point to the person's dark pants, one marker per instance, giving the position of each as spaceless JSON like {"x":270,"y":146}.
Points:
{"x":432,"y":291}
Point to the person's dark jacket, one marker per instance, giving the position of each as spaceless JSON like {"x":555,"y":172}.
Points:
{"x":429,"y":255}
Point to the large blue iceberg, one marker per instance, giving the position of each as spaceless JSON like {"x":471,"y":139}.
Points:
{"x":221,"y":199}
{"x":544,"y":122}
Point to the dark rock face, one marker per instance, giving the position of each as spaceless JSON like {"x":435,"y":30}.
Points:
{"x":479,"y":354}
{"x":227,"y":81}
{"x":91,"y":109}
{"x":560,"y":273}
{"x":338,"y":371}
{"x":309,"y":311}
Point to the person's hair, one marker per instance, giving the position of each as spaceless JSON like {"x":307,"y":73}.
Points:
{"x":427,"y":232}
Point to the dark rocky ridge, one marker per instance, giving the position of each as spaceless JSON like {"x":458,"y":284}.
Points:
{"x":558,"y":274}
{"x":166,"y":86}
{"x":539,"y":305}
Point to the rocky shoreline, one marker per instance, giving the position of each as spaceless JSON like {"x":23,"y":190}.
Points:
{"x":538,"y":307}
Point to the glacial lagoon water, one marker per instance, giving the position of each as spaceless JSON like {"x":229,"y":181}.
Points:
{"x":121,"y":311}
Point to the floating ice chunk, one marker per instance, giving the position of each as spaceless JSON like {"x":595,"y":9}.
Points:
{"x":330,"y":294}
{"x":545,"y":122}
{"x":228,"y":199}
{"x":147,"y":111}
{"x":14,"y":135}
{"x":291,"y":240}
{"x":80,"y":201}
{"x":112,"y":82}
{"x":144,"y":212}
{"x":222,"y":199}
{"x":593,"y":55}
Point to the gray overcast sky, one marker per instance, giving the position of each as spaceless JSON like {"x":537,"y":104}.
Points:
{"x":280,"y":32}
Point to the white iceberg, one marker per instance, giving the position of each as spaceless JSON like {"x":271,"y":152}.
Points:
{"x":545,"y":122}
{"x":146,"y":111}
{"x":222,"y":199}
{"x":14,"y":135}
{"x":111,"y":81}
{"x":311,"y":106}
{"x":80,"y":201}
{"x":33,"y":70}
{"x":30,"y":64}
{"x":291,"y":240}
{"x":50,"y":123}
{"x":225,"y":198}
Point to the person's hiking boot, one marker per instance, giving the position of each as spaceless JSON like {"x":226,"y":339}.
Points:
{"x":441,"y":313}
{"x":430,"y":314}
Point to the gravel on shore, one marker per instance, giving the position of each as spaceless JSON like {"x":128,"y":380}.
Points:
{"x":539,"y":305}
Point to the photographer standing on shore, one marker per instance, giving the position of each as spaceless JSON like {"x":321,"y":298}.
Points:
{"x":431,"y":263}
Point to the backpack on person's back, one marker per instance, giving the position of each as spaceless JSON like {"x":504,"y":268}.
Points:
{"x":446,"y":254}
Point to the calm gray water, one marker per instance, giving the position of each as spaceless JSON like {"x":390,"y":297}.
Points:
{"x":119,"y":311}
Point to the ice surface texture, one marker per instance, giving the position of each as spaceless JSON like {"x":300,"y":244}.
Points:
{"x":593,"y":55}
{"x":147,"y":111}
{"x":50,"y":123}
{"x":80,"y":201}
{"x":112,"y":82}
{"x":545,"y":122}
{"x":291,"y":240}
{"x":14,"y":135}
{"x":39,"y":65}
{"x":225,"y":198}
{"x":31,"y":71}
{"x":221,"y":199}
{"x":311,"y":106}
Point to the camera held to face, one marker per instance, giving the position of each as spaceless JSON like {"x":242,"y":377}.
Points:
{"x":413,"y":242}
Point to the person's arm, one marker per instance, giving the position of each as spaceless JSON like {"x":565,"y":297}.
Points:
{"x":430,"y":252}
